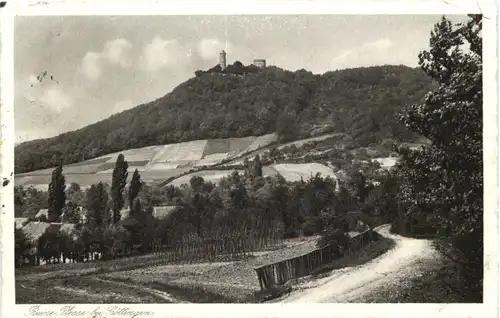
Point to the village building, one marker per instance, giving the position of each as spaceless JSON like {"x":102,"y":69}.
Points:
{"x":161,"y":212}
{"x":42,"y":213}
{"x":20,"y":222}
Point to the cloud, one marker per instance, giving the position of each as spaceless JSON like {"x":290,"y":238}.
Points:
{"x":122,"y":105}
{"x":209,"y":49}
{"x":91,"y":66}
{"x":370,"y":53}
{"x":56,"y":99}
{"x":115,"y":52}
{"x":379,"y":44}
{"x":160,"y":53}
{"x":118,"y":52}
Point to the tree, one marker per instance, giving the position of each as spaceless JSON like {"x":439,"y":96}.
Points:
{"x":57,"y":194}
{"x":286,"y":127}
{"x":196,"y":183}
{"x":75,"y":194}
{"x":66,"y":244}
{"x":360,"y":186}
{"x":83,"y":242}
{"x":48,"y":246}
{"x":247,"y":171}
{"x":118,"y":183}
{"x":97,"y":201}
{"x":445,"y":179}
{"x":335,"y":228}
{"x":23,"y":246}
{"x":19,"y":201}
{"x":257,"y":167}
{"x":115,"y":241}
{"x":34,"y":201}
{"x":71,"y":214}
{"x":136,"y":210}
{"x":134,"y":188}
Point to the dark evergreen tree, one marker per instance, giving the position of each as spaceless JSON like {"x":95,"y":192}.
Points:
{"x":57,"y":194}
{"x":118,"y":183}
{"x":360,"y":186}
{"x":257,"y":167}
{"x":134,"y":188}
{"x":246,"y":168}
{"x":97,"y":205}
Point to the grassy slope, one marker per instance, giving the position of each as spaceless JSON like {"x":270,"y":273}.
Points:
{"x":438,"y":284}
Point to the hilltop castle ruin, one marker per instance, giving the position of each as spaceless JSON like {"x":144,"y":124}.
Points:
{"x":223,"y":61}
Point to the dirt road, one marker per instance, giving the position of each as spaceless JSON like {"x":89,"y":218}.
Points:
{"x":405,"y":260}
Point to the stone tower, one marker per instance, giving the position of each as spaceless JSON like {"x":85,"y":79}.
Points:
{"x":222,"y":59}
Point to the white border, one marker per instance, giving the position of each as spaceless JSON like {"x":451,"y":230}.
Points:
{"x":490,"y":306}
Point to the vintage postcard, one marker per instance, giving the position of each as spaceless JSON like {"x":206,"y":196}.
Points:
{"x":195,"y":158}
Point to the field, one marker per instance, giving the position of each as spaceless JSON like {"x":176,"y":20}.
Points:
{"x":300,"y":143}
{"x":387,"y":162}
{"x":208,"y":175}
{"x":294,"y":172}
{"x":156,"y":163}
{"x":159,"y":163}
{"x":291,"y":172}
{"x":117,"y":281}
{"x":137,"y":280}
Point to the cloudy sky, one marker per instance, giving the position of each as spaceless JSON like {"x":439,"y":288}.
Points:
{"x":100,"y":65}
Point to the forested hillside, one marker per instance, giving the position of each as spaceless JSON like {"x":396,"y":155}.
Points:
{"x":361,"y":102}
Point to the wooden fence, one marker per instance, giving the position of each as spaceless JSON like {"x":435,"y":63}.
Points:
{"x":211,"y":250}
{"x":279,"y":273}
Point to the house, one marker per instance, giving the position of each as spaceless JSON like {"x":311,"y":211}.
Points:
{"x":41,"y":212}
{"x":124,"y":213}
{"x":20,"y":222}
{"x":125,"y":219}
{"x":36,"y":229}
{"x":161,"y":212}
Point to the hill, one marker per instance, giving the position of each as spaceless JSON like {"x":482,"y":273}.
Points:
{"x":361,"y":102}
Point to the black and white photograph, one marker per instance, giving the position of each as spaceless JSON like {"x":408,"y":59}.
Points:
{"x":194,"y":159}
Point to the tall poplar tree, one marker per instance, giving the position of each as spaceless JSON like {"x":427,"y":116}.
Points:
{"x":257,"y":167}
{"x":97,"y":200}
{"x":134,"y":189}
{"x":118,"y":183}
{"x":57,"y":194}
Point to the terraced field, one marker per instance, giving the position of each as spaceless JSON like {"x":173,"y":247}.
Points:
{"x":291,"y":172}
{"x":300,"y":143}
{"x":208,"y":175}
{"x":294,"y":172}
{"x":159,"y":163}
{"x":155,"y":163}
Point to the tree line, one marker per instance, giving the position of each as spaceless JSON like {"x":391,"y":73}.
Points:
{"x":253,"y":211}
